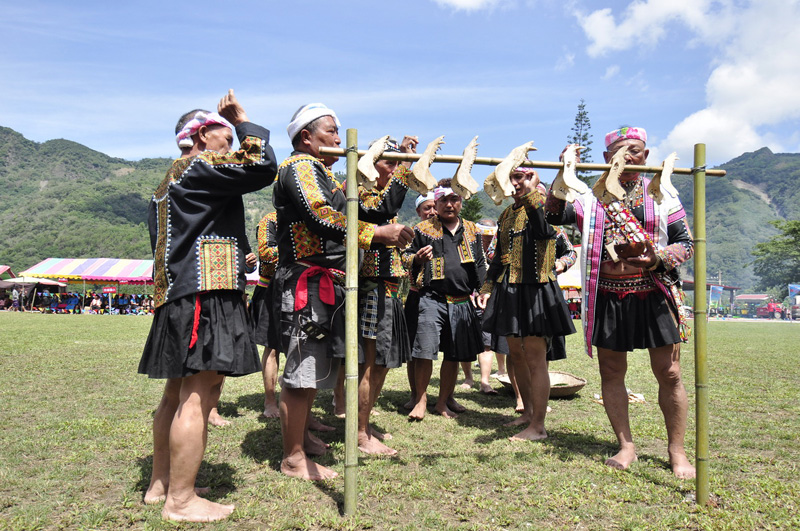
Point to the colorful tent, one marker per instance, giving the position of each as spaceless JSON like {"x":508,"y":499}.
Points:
{"x":101,"y":270}
{"x":94,"y":269}
{"x":6,"y":273}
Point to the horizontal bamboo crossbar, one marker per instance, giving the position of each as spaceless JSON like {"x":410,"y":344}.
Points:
{"x":492,"y":161}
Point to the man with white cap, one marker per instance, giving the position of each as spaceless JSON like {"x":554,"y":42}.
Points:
{"x":309,"y":293}
{"x":200,"y":331}
{"x":631,"y":292}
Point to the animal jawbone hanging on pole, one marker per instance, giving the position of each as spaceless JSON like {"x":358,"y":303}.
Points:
{"x":498,"y":184}
{"x":462,"y":183}
{"x":607,"y":188}
{"x":421,"y":180}
{"x":662,"y":181}
{"x":367,"y":172}
{"x":566,"y":185}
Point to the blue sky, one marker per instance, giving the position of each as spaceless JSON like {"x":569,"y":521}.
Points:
{"x":115,"y":76}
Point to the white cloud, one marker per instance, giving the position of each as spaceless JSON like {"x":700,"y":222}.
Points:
{"x":752,"y":91}
{"x":643,"y":23}
{"x":611,"y":71}
{"x":469,"y":5}
{"x":565,"y":61}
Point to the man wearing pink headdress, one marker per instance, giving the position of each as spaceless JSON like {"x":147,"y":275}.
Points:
{"x":631,"y":293}
{"x":447,"y":263}
{"x":200,"y":331}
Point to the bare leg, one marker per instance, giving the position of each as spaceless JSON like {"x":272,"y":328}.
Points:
{"x":485,"y":363}
{"x":214,"y":418}
{"x":613,"y":367}
{"x":515,"y":353}
{"x":422,"y":376}
{"x":370,"y":376}
{"x":468,"y":381}
{"x":412,"y":384}
{"x":269,"y":362}
{"x":159,"y":480}
{"x":666,"y":365}
{"x":501,"y":363}
{"x":376,"y":388}
{"x":534,"y":350}
{"x":187,"y":443}
{"x":447,"y":382}
{"x":339,"y":406}
{"x":294,"y":420}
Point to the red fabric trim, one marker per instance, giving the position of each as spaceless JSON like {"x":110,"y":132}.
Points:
{"x":326,"y":293}
{"x":196,"y":322}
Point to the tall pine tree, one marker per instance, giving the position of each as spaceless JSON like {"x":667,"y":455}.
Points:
{"x":581,"y":136}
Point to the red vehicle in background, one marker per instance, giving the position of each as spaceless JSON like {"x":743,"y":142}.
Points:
{"x":771,"y":310}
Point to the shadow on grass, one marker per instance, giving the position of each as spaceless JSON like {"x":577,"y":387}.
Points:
{"x":220,"y":477}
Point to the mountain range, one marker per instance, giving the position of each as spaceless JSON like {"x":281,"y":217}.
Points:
{"x":62,"y":199}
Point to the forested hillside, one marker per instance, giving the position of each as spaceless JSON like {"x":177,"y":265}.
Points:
{"x":62,"y":199}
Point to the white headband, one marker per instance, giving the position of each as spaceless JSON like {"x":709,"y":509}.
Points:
{"x":421,"y":199}
{"x":306,"y":115}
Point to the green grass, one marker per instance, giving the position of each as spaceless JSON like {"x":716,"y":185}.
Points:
{"x":76,"y":449}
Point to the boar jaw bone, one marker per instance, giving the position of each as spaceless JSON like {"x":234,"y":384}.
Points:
{"x":463,"y":184}
{"x":422,"y":181}
{"x":514,"y":159}
{"x":566,"y":185}
{"x":661,"y":180}
{"x":607,"y":188}
{"x":367,"y":172}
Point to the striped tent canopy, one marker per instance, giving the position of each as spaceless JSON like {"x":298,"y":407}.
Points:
{"x":6,"y":273}
{"x":101,"y":270}
{"x":94,"y":269}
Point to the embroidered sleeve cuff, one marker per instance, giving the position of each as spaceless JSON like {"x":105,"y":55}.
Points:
{"x":366,"y":231}
{"x":487,"y":287}
{"x":535,"y":199}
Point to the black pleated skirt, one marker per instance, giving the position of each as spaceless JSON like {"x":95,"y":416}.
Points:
{"x":527,"y":310}
{"x":637,"y":320}
{"x":225,"y":341}
{"x":260,"y":311}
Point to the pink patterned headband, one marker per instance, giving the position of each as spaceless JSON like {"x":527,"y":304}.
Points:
{"x":635,"y":133}
{"x":184,"y":137}
{"x":442,"y":191}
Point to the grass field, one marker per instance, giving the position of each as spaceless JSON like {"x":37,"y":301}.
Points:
{"x":75,"y":445}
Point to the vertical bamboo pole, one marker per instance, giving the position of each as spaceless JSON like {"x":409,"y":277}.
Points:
{"x":700,"y":324}
{"x":351,"y":331}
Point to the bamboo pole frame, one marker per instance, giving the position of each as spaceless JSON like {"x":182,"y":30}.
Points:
{"x":699,"y":173}
{"x":351,"y":331}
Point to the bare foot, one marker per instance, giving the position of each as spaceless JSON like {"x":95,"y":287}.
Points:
{"x":519,"y":421}
{"x":681,"y":466}
{"x":339,"y":410}
{"x":271,"y":411}
{"x":488,"y":389}
{"x":300,"y":466}
{"x":316,"y":425}
{"x":371,"y":445}
{"x":623,"y":459}
{"x":313,"y":445}
{"x":530,"y":434}
{"x":378,"y":435}
{"x":418,"y":413}
{"x":520,"y":407}
{"x":467,"y":384}
{"x":410,"y":404}
{"x":215,"y":419}
{"x":452,"y":405}
{"x":445,"y":412}
{"x":158,"y":494}
{"x":195,"y":510}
